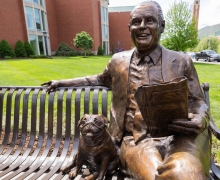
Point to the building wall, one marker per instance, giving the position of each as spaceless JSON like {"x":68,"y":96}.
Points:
{"x":52,"y":25}
{"x":118,"y":30}
{"x":12,"y":22}
{"x":74,"y":16}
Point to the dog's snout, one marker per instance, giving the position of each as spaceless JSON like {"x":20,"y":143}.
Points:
{"x":89,"y":134}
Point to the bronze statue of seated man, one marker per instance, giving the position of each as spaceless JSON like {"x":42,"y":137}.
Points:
{"x":185,"y":155}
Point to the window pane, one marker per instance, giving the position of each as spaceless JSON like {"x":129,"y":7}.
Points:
{"x":40,"y":43}
{"x":29,"y":17}
{"x":37,"y":19}
{"x":106,"y":15}
{"x":33,"y":42}
{"x":43,"y":20}
{"x":103,"y":14}
{"x":41,"y":3}
{"x":36,"y":1}
{"x":103,"y":31}
{"x":27,"y":1}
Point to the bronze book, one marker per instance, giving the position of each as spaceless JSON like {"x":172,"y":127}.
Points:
{"x":160,"y":104}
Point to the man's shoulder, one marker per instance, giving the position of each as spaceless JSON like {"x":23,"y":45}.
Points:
{"x":123,"y":55}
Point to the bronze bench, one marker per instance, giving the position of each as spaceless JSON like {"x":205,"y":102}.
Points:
{"x":39,"y":132}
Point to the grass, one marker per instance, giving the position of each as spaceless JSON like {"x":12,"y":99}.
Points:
{"x":33,"y":72}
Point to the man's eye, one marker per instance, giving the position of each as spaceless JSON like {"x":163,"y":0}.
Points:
{"x":136,"y":22}
{"x":150,"y":21}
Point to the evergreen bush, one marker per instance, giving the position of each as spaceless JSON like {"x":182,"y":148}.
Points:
{"x":100,"y":51}
{"x":20,"y":50}
{"x":65,"y":50}
{"x":28,"y":48}
{"x":6,"y":50}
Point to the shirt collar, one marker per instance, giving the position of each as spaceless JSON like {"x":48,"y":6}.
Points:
{"x":155,"y":55}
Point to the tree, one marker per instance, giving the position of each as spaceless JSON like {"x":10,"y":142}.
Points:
{"x":210,"y":42}
{"x":6,"y":50}
{"x":84,"y":41}
{"x":28,"y":48}
{"x":20,"y":50}
{"x":180,"y":32}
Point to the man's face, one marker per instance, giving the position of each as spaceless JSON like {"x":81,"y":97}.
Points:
{"x":144,"y":27}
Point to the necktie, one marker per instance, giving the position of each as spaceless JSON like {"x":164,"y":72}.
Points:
{"x":147,"y":59}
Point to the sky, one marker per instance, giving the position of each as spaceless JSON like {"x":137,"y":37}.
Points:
{"x":209,"y":9}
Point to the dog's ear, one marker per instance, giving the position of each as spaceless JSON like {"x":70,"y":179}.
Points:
{"x":81,"y":120}
{"x":106,"y":121}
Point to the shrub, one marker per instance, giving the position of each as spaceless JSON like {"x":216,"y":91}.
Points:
{"x":65,"y":50}
{"x":100,"y":51}
{"x":33,"y":56}
{"x":6,"y":50}
{"x":119,"y":50}
{"x":20,"y":50}
{"x":28,"y":48}
{"x":7,"y":57}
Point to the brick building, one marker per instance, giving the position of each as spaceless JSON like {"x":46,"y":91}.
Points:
{"x":46,"y":23}
{"x":119,"y":18}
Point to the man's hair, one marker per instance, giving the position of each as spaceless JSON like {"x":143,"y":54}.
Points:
{"x":160,"y":12}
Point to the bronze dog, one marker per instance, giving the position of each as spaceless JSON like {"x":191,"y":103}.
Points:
{"x":96,"y":150}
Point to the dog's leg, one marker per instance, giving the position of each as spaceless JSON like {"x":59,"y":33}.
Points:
{"x":103,"y":168}
{"x":92,"y":176}
{"x":73,"y":173}
{"x":67,"y":169}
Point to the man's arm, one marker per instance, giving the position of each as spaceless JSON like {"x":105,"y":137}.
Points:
{"x":198,"y":119}
{"x":103,"y":79}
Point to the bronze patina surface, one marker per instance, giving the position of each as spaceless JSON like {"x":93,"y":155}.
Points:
{"x":185,"y":155}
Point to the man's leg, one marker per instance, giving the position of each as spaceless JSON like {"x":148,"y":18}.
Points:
{"x":187,"y":158}
{"x":140,"y":161}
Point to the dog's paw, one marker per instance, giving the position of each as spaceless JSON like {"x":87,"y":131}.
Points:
{"x":64,"y":169}
{"x":73,"y":173}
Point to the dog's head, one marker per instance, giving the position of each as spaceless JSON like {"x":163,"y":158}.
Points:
{"x":92,"y":126}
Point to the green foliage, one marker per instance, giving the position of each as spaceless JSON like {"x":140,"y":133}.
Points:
{"x":210,"y":42}
{"x":20,"y":50}
{"x":5,"y":49}
{"x":84,"y":41}
{"x":218,"y":51}
{"x":180,"y":32}
{"x":7,"y":57}
{"x":100,"y":51}
{"x":29,"y":49}
{"x":65,"y":50}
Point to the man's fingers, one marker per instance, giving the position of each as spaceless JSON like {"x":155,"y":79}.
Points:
{"x":46,"y":83}
{"x":183,"y":130}
{"x":190,"y":124}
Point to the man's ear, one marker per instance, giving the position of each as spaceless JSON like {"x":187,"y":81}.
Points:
{"x":162,"y":26}
{"x":129,"y":27}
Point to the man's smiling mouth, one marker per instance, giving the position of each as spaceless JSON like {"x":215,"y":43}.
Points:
{"x":143,"y":35}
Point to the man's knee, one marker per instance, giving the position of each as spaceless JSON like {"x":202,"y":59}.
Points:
{"x":182,"y":166}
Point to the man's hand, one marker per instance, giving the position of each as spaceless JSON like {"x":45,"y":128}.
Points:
{"x":194,"y":125}
{"x":52,"y":85}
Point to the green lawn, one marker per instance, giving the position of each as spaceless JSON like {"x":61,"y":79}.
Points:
{"x":33,"y":72}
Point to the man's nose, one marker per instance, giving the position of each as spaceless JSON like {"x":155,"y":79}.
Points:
{"x":143,"y":24}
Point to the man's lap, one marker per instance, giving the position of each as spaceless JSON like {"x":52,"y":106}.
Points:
{"x":164,"y":158}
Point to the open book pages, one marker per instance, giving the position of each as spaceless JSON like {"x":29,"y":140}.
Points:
{"x":160,"y":104}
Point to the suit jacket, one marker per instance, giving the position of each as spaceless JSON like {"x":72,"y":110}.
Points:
{"x":115,"y":76}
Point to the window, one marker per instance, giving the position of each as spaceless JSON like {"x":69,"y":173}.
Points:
{"x":40,"y":43}
{"x":30,"y":18}
{"x":41,"y":3}
{"x":36,"y":1}
{"x":33,"y":42}
{"x":43,"y":20}
{"x":37,"y":19}
{"x":103,"y":31}
{"x":27,"y":0}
